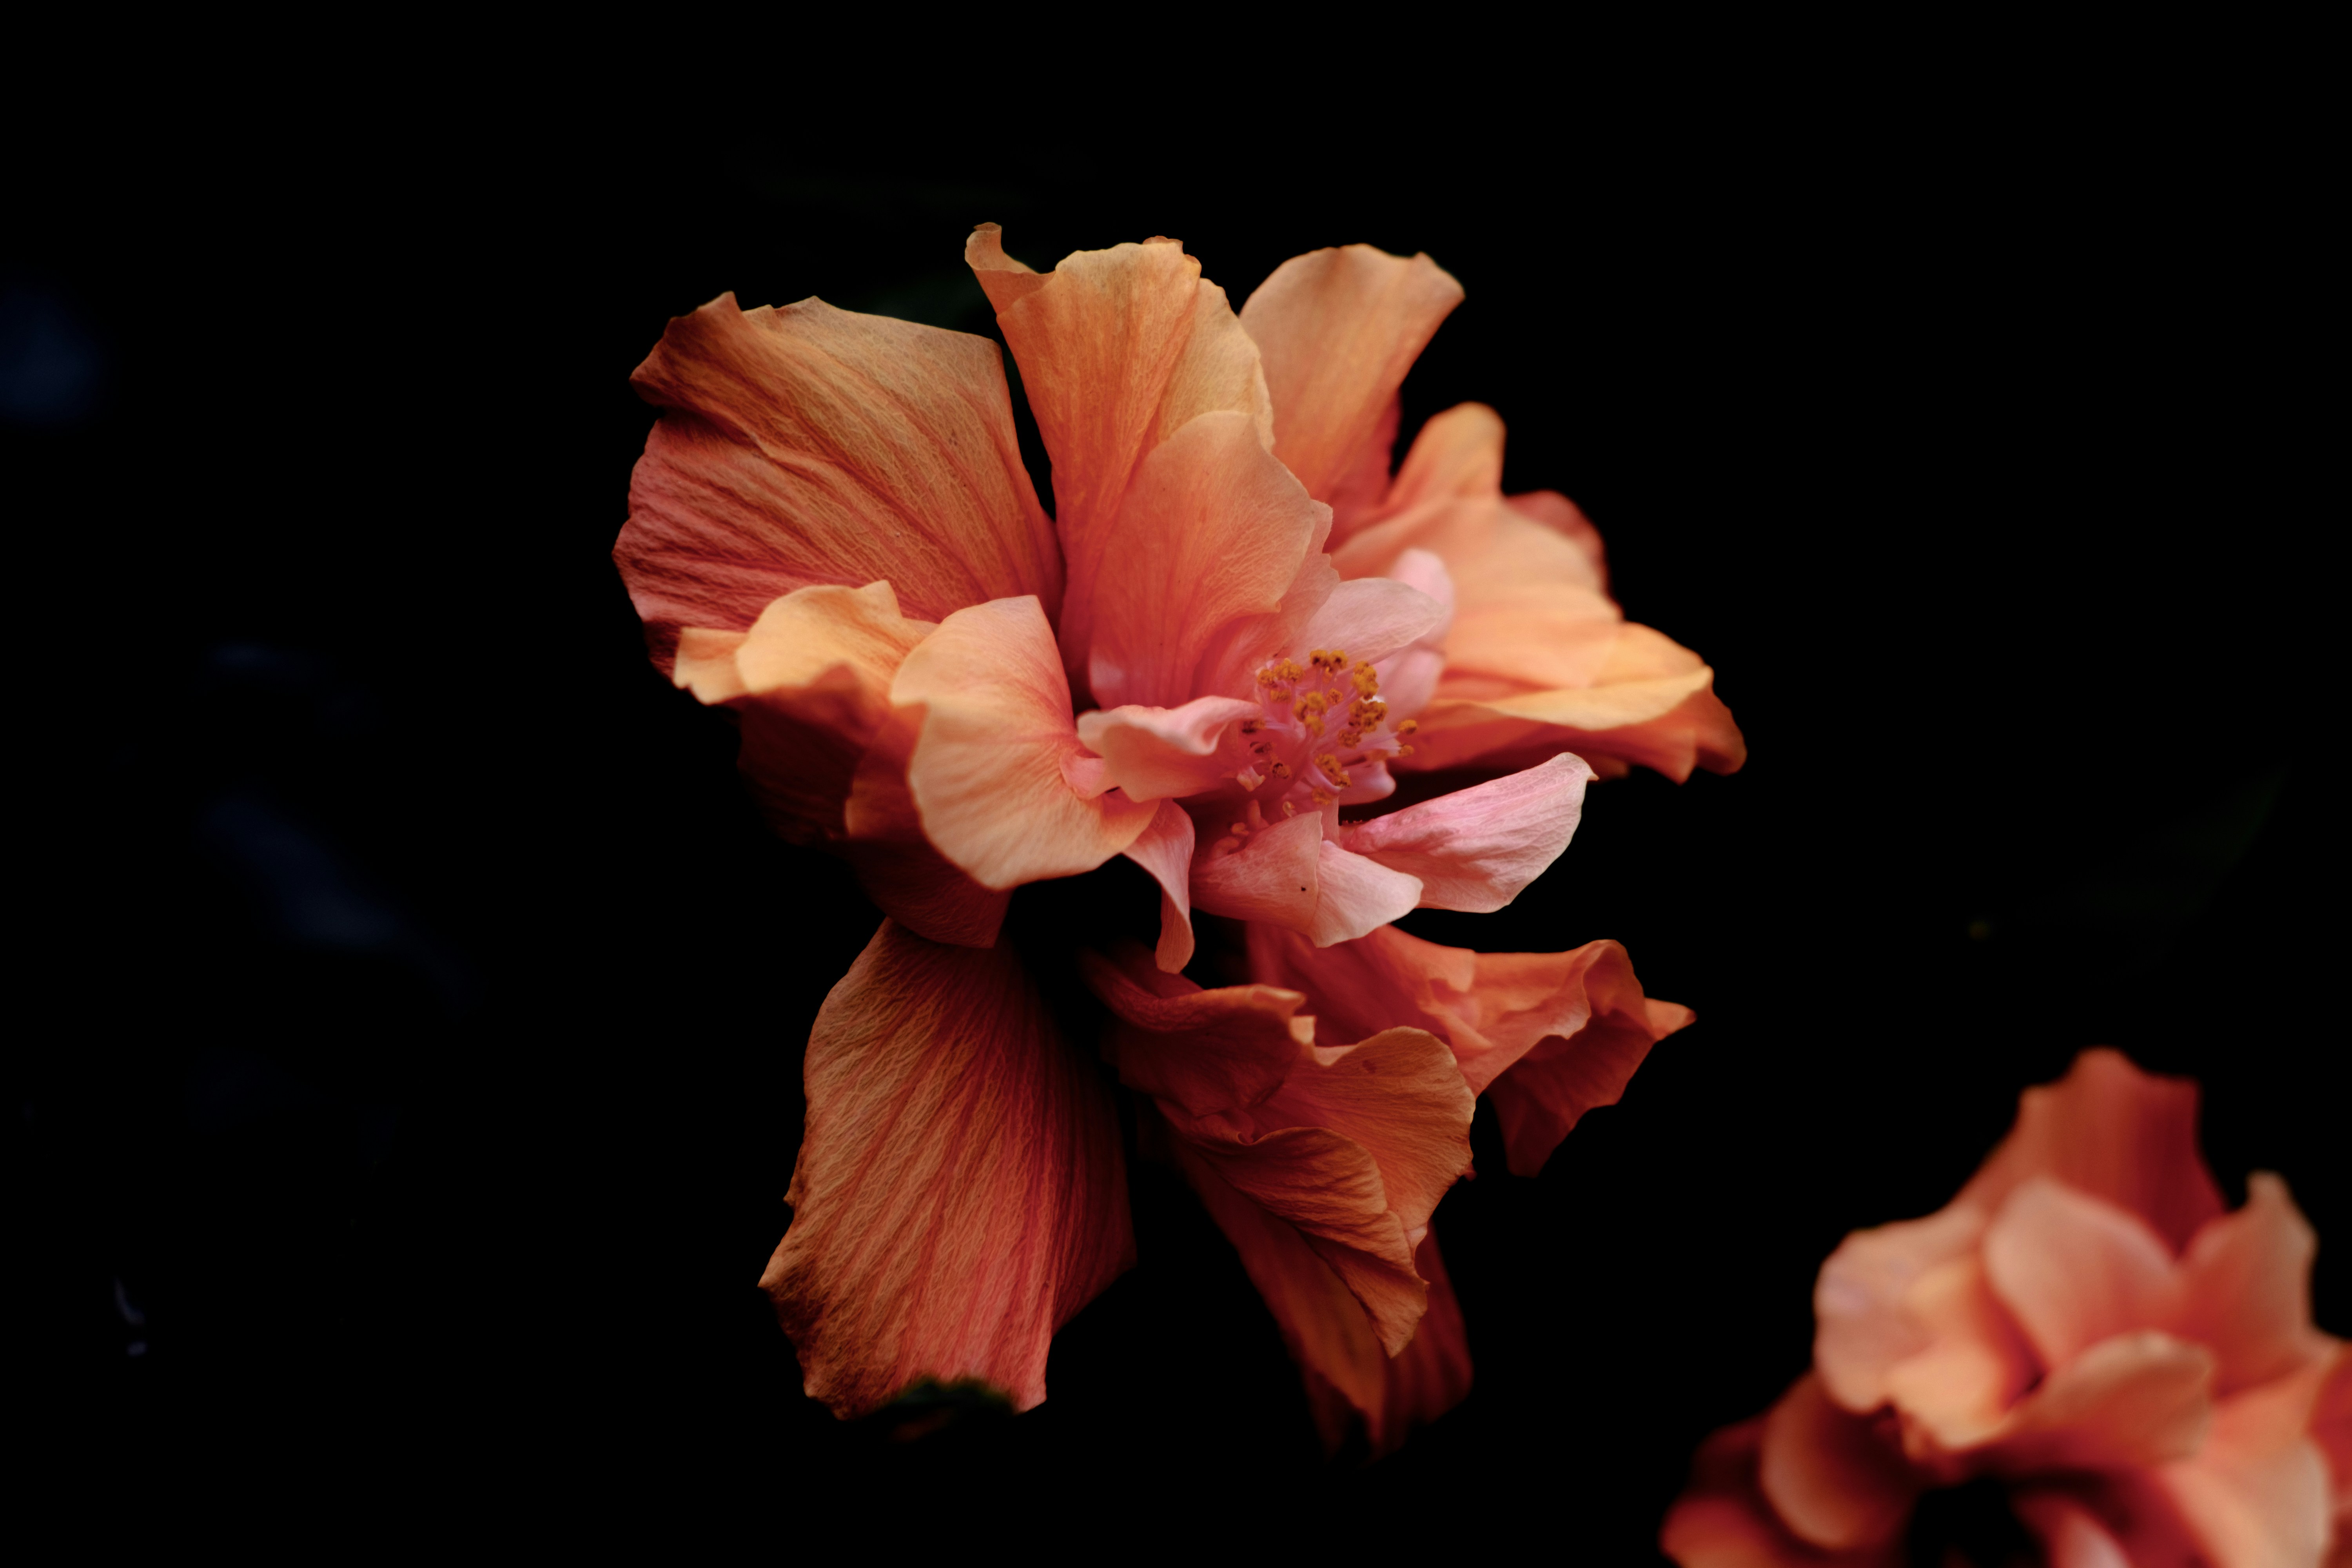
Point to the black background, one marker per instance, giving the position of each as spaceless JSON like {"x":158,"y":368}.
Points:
{"x":419,"y":1005}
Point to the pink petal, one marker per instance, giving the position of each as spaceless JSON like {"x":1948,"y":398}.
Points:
{"x":1476,"y":848}
{"x":2109,"y":1130}
{"x":810,"y":686}
{"x":2074,"y":1270}
{"x":1203,"y":1052}
{"x":2246,"y":1288}
{"x":1830,"y":1476}
{"x":1338,"y":330}
{"x":1371,"y":618}
{"x":1576,"y":1021}
{"x":1862,"y":1327}
{"x":1161,"y":754}
{"x":1722,"y":1519}
{"x":1118,"y":350}
{"x":1958,"y":1390}
{"x":2256,"y":1493}
{"x":960,"y":1192}
{"x":1274,"y":876}
{"x":2138,"y":1398}
{"x":988,"y":771}
{"x":1211,"y":533}
{"x":807,"y":446}
{"x":1355,"y":895}
{"x":1165,"y":850}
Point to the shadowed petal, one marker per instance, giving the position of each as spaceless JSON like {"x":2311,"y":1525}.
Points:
{"x":1165,"y":850}
{"x":1212,"y":533}
{"x":1576,"y":1023}
{"x":1272,"y":878}
{"x":1958,"y":1389}
{"x":1829,"y":1475}
{"x":1336,"y":330}
{"x":1205,"y":1053}
{"x":959,"y":1192}
{"x":1118,"y":350}
{"x":810,"y":685}
{"x":899,"y":868}
{"x":1474,"y":849}
{"x":2072,"y":1534}
{"x":2114,"y":1131}
{"x":2074,"y":1270}
{"x":808,"y":446}
{"x":991,"y":769}
{"x":1722,"y":1519}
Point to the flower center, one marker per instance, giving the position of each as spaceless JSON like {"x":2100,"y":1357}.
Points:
{"x":1321,"y":722}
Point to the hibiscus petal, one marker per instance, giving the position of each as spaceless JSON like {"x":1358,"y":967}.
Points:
{"x":1829,"y":1475}
{"x":1371,"y":618}
{"x":1211,"y":533}
{"x":1355,"y":895}
{"x":1958,"y":1389}
{"x":1118,"y":350}
{"x":810,"y":686}
{"x":1399,"y":1096}
{"x":809,"y":445}
{"x":1161,"y":754}
{"x":2071,"y":1534}
{"x":1722,"y":1519}
{"x":897,"y":863}
{"x":959,"y":1192}
{"x":988,"y":771}
{"x":1863,"y":1329}
{"x":2074,"y":1270}
{"x":2118,"y":1133}
{"x":1207,"y":1053}
{"x":1336,"y":330}
{"x":1542,"y":1097}
{"x":1165,"y":850}
{"x":2136,"y":1399}
{"x":1273,"y":878}
{"x":1474,"y":849}
{"x":2256,"y":1490}
{"x":2245,"y":1289}
{"x":1457,"y":454}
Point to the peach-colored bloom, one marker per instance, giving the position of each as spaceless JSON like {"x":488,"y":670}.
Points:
{"x":831,"y":536}
{"x":1537,"y":656}
{"x":2086,"y":1326}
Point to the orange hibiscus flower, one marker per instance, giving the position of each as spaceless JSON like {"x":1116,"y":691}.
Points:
{"x":831,"y":536}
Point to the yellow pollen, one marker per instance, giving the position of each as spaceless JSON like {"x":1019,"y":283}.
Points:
{"x":1330,"y":764}
{"x":1280,"y":770}
{"x":1312,"y":723}
{"x":1367,"y":679}
{"x":1408,"y":727}
{"x":1289,"y":809}
{"x":1404,"y":750}
{"x":1252,"y":726}
{"x":1321,"y":798}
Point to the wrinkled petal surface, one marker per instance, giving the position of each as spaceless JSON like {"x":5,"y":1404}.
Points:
{"x":959,"y":1191}
{"x":807,"y":446}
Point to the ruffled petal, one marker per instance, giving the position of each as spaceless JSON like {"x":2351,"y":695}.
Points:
{"x":1474,"y":849}
{"x":1457,"y":454}
{"x":1863,"y":1328}
{"x":2136,"y":1399}
{"x":960,"y":1192}
{"x":1118,"y":350}
{"x":2256,"y":1492}
{"x":1274,"y":876}
{"x":1371,"y":618}
{"x":2074,"y":1270}
{"x":1722,"y":1519}
{"x":810,"y":685}
{"x":2115,"y":1133}
{"x":1165,"y":850}
{"x":896,"y":864}
{"x":1829,"y":1475}
{"x":808,"y":446}
{"x":1336,"y":330}
{"x":990,"y":771}
{"x":1161,"y":753}
{"x":1576,"y":1023}
{"x":1355,"y":895}
{"x":2245,"y":1289}
{"x":1210,"y":535}
{"x":1203,"y":1052}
